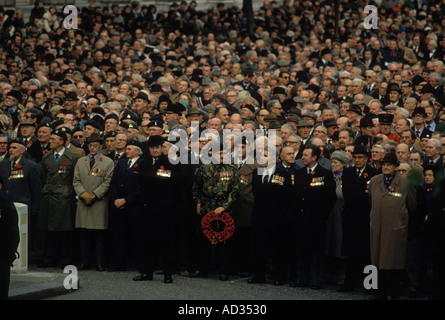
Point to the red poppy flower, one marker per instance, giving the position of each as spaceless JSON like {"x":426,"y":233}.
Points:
{"x":162,"y":167}
{"x":394,"y":54}
{"x":100,"y":158}
{"x":313,"y":173}
{"x":18,"y":165}
{"x":135,"y":165}
{"x":244,"y":173}
{"x":64,"y":162}
{"x":365,"y":175}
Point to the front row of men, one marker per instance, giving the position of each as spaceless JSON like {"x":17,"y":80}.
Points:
{"x":149,"y":204}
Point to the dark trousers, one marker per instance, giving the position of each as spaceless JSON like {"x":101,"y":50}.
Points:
{"x":439,"y":269}
{"x":125,"y":237}
{"x":412,"y":264}
{"x":5,"y":272}
{"x":354,"y":271}
{"x":183,"y":243}
{"x":220,"y":252}
{"x":241,"y":252}
{"x":389,"y":283}
{"x":36,"y":239}
{"x":310,"y":266}
{"x":92,"y":244}
{"x":154,"y":252}
{"x":59,"y":247}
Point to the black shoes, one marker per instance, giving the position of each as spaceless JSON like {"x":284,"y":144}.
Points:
{"x":168,"y":279}
{"x":256,"y":280}
{"x":143,"y":277}
{"x":223,"y":277}
{"x":316,"y":286}
{"x":197,"y":274}
{"x":345,"y":288}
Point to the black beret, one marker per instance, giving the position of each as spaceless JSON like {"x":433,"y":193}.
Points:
{"x":94,"y":124}
{"x":155,"y":141}
{"x":110,"y":134}
{"x":136,"y":143}
{"x":112,"y":116}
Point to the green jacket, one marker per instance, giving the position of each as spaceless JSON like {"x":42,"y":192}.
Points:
{"x":216,"y":185}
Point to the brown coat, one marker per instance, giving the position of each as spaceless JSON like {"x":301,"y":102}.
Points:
{"x":389,"y":221}
{"x":243,"y":208}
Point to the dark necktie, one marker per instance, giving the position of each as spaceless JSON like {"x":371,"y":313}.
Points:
{"x":431,"y":163}
{"x":13,"y":165}
{"x":92,"y":161}
{"x":309,"y":171}
{"x":358,"y":173}
{"x":418,"y":133}
{"x":266,"y":178}
{"x":57,"y":156}
{"x":129,"y":164}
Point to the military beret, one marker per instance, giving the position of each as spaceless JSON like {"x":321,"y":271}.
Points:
{"x":43,"y":124}
{"x":132,"y":125}
{"x":15,"y":94}
{"x":128,"y":115}
{"x":17,"y":141}
{"x":61,"y":134}
{"x":136,"y":143}
{"x":110,"y":134}
{"x":112,"y":116}
{"x":66,"y":130}
{"x":249,"y":106}
{"x":175,"y":108}
{"x":156,"y":123}
{"x":143,"y":96}
{"x":93,"y":124}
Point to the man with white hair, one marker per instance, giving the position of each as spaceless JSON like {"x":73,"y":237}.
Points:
{"x":433,"y":156}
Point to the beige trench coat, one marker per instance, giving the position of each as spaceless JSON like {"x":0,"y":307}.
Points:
{"x":389,"y":221}
{"x":96,"y":180}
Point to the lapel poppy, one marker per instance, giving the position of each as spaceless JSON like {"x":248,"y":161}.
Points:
{"x":136,"y":165}
{"x":64,"y":162}
{"x":18,"y":165}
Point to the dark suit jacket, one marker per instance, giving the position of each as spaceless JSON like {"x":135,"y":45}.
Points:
{"x":271,"y":204}
{"x":162,"y":185}
{"x":125,"y":184}
{"x":314,"y":197}
{"x":355,"y":241}
{"x":36,"y":151}
{"x":25,"y":186}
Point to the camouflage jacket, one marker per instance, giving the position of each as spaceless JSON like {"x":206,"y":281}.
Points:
{"x":216,"y":185}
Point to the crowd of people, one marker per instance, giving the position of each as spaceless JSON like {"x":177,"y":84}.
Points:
{"x":354,"y":121}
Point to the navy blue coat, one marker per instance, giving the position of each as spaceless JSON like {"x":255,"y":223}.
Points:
{"x":23,"y":185}
{"x":125,"y":184}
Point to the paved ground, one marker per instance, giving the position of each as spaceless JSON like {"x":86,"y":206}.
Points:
{"x":93,"y":285}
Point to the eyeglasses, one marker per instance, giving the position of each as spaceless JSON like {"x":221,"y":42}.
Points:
{"x":77,"y":136}
{"x":402,"y":170}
